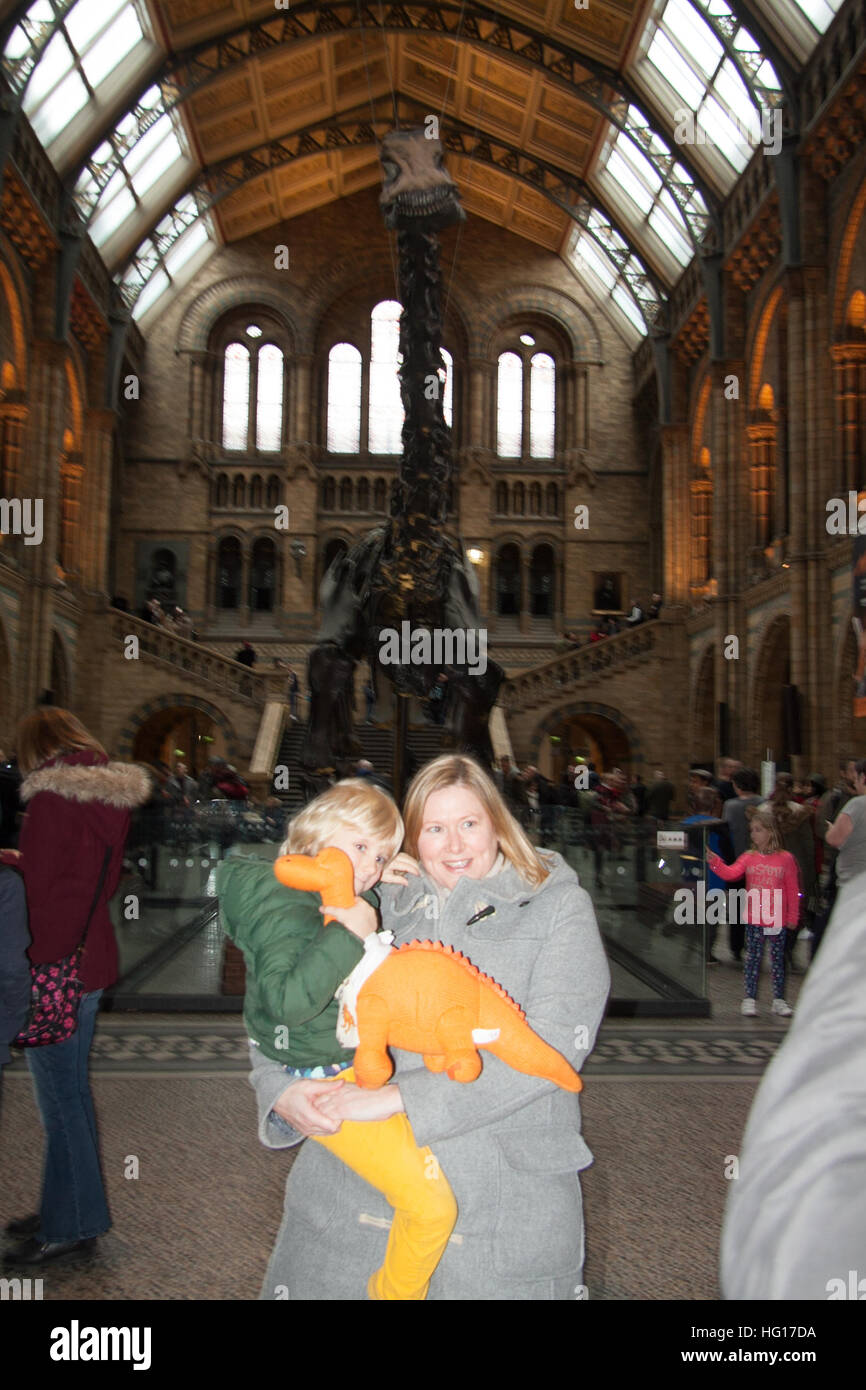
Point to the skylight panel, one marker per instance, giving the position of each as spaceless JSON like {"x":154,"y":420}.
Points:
{"x":53,"y":66}
{"x":155,"y":286}
{"x":112,"y":48}
{"x":665,"y":227}
{"x":57,"y":111}
{"x":732,"y":91}
{"x":695,"y":36}
{"x":116,"y":212}
{"x":88,"y":18}
{"x":675,"y":70}
{"x":144,"y":148}
{"x":621,"y":296}
{"x":818,"y":12}
{"x":628,"y":182}
{"x":167,"y":154}
{"x":186,"y":247}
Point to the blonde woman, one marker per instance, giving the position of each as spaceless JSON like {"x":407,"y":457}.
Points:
{"x":772,"y":904}
{"x":509,"y":1143}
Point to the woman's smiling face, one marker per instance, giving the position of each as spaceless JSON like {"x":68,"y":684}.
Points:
{"x":457,"y":839}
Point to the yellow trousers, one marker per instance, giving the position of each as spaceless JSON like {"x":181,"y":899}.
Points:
{"x":384,"y":1154}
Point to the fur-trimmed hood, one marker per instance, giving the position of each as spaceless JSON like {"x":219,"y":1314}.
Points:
{"x":120,"y":785}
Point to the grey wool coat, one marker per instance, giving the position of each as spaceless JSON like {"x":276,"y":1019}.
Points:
{"x":509,"y":1144}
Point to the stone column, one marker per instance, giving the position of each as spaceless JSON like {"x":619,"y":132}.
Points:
{"x":481,"y":433}
{"x":95,"y":513}
{"x":674,"y":445}
{"x":849,"y":377}
{"x":300,"y":426}
{"x":41,"y":480}
{"x":731,"y":523}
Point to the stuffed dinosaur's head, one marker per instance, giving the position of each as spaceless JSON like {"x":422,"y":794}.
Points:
{"x":417,"y":193}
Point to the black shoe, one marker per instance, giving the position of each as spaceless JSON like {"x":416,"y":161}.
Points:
{"x":40,"y":1252}
{"x":24,"y":1225}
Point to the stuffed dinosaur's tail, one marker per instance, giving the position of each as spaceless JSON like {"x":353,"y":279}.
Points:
{"x":521,"y":1048}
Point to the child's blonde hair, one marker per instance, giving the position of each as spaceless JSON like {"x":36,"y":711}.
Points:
{"x":765,"y":816}
{"x":356,"y":803}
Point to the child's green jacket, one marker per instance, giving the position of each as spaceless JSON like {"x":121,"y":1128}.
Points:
{"x":294,"y":961}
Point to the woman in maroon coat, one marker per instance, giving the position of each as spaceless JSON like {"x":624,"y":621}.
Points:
{"x":78,"y":806}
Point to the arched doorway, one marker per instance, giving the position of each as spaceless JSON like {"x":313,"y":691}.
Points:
{"x":541,"y":578}
{"x":263,"y":569}
{"x":508,"y":581}
{"x":595,"y":737}
{"x":229,"y":573}
{"x":179,"y":732}
{"x":60,"y":686}
{"x":335,"y":546}
{"x":703,"y":711}
{"x":772,"y":674}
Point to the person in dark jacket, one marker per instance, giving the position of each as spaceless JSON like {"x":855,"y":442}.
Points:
{"x":78,"y":807}
{"x":246,"y":654}
{"x":14,"y":965}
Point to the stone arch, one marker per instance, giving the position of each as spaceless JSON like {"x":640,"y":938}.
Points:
{"x":703,"y":704}
{"x":843,"y":262}
{"x":180,"y":700}
{"x":15,"y":300}
{"x":772,"y":669}
{"x":594,"y":717}
{"x":202,"y":315}
{"x":538,"y":302}
{"x":849,"y":732}
{"x":757,"y":342}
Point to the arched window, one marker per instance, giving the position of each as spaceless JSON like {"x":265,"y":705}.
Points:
{"x":222,"y":490}
{"x":542,"y":405}
{"x":508,"y":581}
{"x":363,"y":496}
{"x":253,"y":388}
{"x":236,"y":396}
{"x":509,"y":407}
{"x":386,"y":407}
{"x":541,"y":571}
{"x":273,"y":493}
{"x":526,"y":401}
{"x":269,"y":400}
{"x":344,"y":399}
{"x":335,"y":547}
{"x":552,"y":499}
{"x":502,"y":499}
{"x":263,"y":569}
{"x":256,"y":491}
{"x":329,"y":495}
{"x":447,"y":376}
{"x":519,"y":506}
{"x":346,"y":495}
{"x":229,"y":573}
{"x":380,"y":496}
{"x":239,"y":491}
{"x":535,"y":499}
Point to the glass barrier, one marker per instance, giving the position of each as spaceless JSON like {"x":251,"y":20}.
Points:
{"x":647,"y":881}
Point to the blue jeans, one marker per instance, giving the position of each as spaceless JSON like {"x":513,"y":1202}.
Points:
{"x":73,"y":1204}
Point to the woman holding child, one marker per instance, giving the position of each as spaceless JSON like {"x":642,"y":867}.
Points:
{"x":509,"y":1144}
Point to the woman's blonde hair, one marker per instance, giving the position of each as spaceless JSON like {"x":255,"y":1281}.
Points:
{"x":51,"y":731}
{"x":356,"y":803}
{"x":452,"y":770}
{"x":765,"y":816}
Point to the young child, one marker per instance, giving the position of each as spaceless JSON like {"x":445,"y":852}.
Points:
{"x":295,"y":964}
{"x":774,"y":908}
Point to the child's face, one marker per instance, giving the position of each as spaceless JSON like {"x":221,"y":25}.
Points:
{"x":368,"y":855}
{"x":760,"y":837}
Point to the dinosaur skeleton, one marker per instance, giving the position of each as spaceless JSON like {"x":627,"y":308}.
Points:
{"x":409,"y":569}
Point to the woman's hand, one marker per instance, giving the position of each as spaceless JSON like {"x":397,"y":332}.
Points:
{"x":401,"y":865}
{"x":354,"y":1103}
{"x":361,"y":919}
{"x":298,"y":1106}
{"x":10,"y":856}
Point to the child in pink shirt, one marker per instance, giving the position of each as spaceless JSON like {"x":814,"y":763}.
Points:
{"x":772,"y":904}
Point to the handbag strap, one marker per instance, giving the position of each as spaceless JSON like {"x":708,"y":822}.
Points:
{"x":106,"y":860}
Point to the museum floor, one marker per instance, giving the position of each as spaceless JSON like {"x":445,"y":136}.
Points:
{"x":665,"y":1104}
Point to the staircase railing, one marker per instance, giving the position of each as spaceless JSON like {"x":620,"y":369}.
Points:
{"x":197,"y":661}
{"x":575,"y":667}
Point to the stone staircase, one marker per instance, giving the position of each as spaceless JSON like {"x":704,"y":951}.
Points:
{"x":377,"y":745}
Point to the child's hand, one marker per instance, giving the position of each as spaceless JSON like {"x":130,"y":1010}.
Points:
{"x":361,"y":919}
{"x":401,"y":865}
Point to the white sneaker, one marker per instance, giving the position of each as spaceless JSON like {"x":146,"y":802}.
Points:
{"x":780,"y":1007}
{"x":749,"y":1007}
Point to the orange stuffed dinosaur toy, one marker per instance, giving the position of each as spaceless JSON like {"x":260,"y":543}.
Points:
{"x":421,"y":997}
